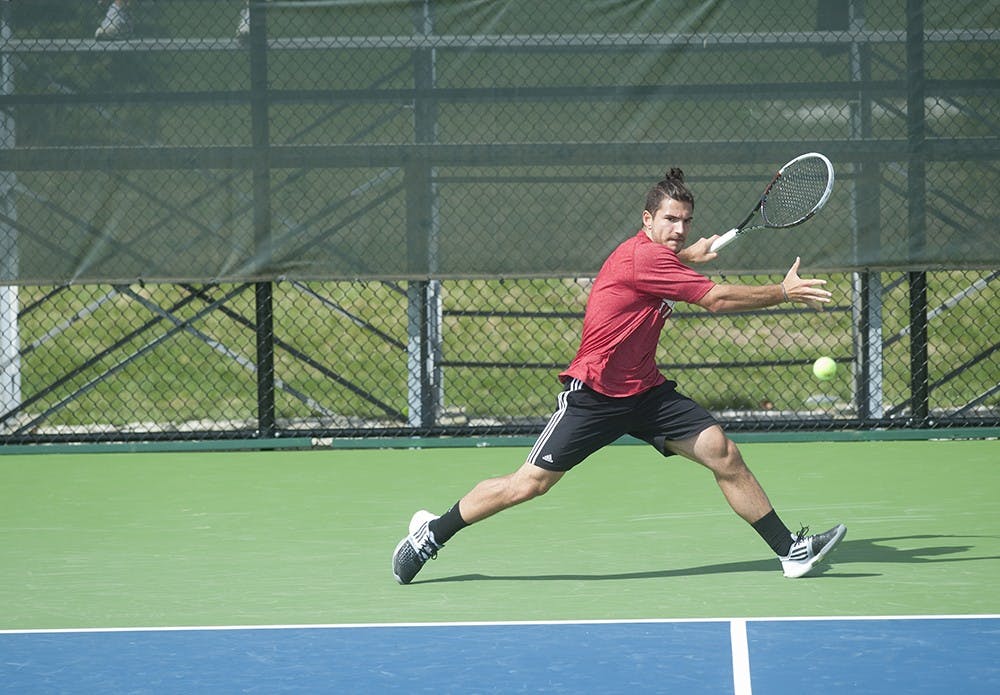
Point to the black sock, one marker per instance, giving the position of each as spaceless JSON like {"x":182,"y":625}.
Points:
{"x":774,"y":532}
{"x":447,"y":525}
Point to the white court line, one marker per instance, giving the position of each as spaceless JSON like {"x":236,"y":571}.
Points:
{"x":493,"y":623}
{"x":741,"y":657}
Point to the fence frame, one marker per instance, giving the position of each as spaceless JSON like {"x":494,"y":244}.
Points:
{"x":420,"y":161}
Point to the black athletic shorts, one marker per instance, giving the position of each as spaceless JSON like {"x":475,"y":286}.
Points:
{"x":586,"y":421}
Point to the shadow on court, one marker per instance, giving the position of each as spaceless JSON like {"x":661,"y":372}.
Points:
{"x":859,"y":551}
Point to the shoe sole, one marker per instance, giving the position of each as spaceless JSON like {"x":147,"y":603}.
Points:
{"x":394,"y":553}
{"x":827,"y":549}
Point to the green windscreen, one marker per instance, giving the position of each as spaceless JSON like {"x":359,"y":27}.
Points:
{"x":343,"y":140}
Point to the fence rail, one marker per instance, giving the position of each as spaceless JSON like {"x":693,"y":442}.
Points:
{"x":381,"y":219}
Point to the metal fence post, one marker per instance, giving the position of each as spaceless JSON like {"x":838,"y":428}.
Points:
{"x":867,"y":306}
{"x":263,"y":291}
{"x":916,"y":197}
{"x":424,"y":310}
{"x":10,"y":343}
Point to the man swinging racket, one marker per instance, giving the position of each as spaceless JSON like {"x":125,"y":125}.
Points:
{"x":613,"y":388}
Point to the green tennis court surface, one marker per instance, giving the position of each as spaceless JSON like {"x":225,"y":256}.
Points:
{"x":261,"y":538}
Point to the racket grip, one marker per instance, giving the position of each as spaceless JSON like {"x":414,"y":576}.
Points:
{"x":724,"y":240}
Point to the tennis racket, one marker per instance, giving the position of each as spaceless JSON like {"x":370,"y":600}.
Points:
{"x":796,"y":192}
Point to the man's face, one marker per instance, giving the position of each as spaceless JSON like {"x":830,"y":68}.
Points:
{"x":669,"y":225}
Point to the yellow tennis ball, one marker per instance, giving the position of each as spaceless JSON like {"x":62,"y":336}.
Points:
{"x":824,"y":368}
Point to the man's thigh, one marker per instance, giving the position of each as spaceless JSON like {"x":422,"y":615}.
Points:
{"x":664,"y":415}
{"x":584,"y":422}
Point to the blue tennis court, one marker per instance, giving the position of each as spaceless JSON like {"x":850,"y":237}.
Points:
{"x":814,"y":655}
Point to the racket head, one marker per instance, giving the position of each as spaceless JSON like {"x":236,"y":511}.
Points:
{"x":798,"y":190}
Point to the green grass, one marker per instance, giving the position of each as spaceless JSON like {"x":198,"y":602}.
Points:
{"x":184,"y":378}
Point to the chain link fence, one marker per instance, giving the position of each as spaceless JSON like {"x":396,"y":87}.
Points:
{"x":333,"y":219}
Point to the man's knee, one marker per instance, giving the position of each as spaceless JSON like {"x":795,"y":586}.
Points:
{"x":712,"y":445}
{"x":726,"y":459}
{"x":531,"y":481}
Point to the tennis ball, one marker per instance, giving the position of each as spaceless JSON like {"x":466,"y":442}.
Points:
{"x":824,"y":368}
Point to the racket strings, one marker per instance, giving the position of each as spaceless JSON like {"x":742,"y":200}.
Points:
{"x":796,"y":193}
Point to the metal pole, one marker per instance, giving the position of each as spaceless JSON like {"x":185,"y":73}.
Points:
{"x":424,"y":310}
{"x":263,"y":291}
{"x":916,"y":198}
{"x":867,"y":307}
{"x":10,"y":341}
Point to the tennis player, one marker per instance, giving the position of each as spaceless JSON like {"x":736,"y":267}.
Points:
{"x":613,"y":388}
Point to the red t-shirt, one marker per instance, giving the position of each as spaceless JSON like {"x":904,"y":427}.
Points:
{"x":632,"y":297}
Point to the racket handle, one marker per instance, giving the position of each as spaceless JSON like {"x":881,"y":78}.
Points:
{"x":724,"y":240}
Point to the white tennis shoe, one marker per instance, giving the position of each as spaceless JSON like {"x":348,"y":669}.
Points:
{"x":415,"y":549}
{"x":808,"y":551}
